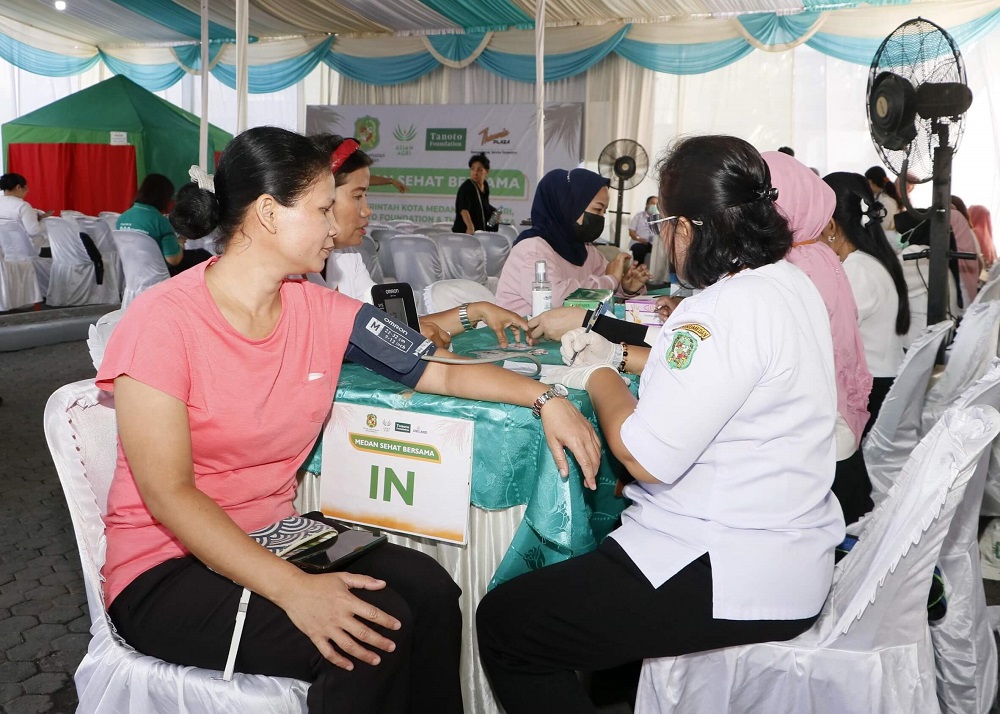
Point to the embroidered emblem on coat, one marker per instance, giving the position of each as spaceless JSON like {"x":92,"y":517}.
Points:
{"x":681,"y":350}
{"x":699,"y":331}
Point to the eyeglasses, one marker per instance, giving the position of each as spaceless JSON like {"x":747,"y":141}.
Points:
{"x":673,"y":218}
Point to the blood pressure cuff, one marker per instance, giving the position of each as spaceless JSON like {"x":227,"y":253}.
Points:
{"x":387,"y":347}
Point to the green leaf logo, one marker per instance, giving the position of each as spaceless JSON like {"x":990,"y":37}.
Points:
{"x":405,"y":135}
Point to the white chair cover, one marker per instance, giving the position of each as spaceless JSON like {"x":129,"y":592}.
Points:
{"x":462,"y":257}
{"x":114,"y":279}
{"x":99,"y":334}
{"x":113,"y":677}
{"x":497,"y":247}
{"x":965,"y":652}
{"x":381,"y":236}
{"x":415,"y":260}
{"x":897,"y":429}
{"x":142,"y":263}
{"x":435,"y":229}
{"x":72,"y":215}
{"x":73,"y":280}
{"x":994,"y":272}
{"x":973,"y":350}
{"x":110,"y":217}
{"x":369,"y":251}
{"x":447,"y":294}
{"x":404,"y":226}
{"x":990,"y":291}
{"x":870,"y":650}
{"x":509,"y":231}
{"x":19,"y":273}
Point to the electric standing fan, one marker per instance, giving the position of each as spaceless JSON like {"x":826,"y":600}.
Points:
{"x":625,"y":162}
{"x":917,"y":99}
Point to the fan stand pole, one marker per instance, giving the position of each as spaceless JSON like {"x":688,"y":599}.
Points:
{"x":940,"y":229}
{"x":618,"y":220}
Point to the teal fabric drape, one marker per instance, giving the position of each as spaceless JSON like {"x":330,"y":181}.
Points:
{"x":190,"y":55}
{"x":456,"y":47}
{"x":694,"y":58}
{"x":274,"y":77}
{"x":521,"y":68}
{"x":771,"y":29}
{"x":48,"y":64}
{"x":503,"y":13}
{"x":176,"y":17}
{"x":382,"y":71}
{"x":154,"y":77}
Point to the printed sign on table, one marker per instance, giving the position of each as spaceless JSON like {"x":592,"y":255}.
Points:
{"x":400,"y":471}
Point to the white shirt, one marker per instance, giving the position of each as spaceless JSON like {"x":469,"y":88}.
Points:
{"x":878,"y":302}
{"x":347,"y":273}
{"x":742,"y":439}
{"x":640,"y":224}
{"x":17,"y":209}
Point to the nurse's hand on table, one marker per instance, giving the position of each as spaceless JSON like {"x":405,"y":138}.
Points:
{"x":553,"y":324}
{"x":580,"y":347}
{"x":435,"y":334}
{"x":566,"y":428}
{"x":499,"y":320}
{"x":324,"y":609}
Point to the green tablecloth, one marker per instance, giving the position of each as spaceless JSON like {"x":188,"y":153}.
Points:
{"x":512,"y":464}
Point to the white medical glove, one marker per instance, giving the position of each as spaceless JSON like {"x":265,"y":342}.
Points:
{"x":575,"y":377}
{"x":589,"y":348}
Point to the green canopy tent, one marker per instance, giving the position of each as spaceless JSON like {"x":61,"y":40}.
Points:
{"x":89,"y":151}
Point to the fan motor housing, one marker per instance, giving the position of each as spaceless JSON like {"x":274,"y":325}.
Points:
{"x":624,"y":167}
{"x":892,"y":107}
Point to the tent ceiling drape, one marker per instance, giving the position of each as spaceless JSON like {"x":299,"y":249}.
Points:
{"x":154,"y":42}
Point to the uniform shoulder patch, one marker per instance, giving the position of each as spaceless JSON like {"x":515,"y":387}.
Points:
{"x":681,"y":350}
{"x":699,"y":331}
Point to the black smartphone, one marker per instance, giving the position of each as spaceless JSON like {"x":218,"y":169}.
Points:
{"x":396,"y":299}
{"x":349,"y":546}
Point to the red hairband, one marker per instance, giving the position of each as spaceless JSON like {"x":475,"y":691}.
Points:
{"x":340,"y":154}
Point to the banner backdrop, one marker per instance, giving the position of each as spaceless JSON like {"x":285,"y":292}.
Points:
{"x":428,"y":148}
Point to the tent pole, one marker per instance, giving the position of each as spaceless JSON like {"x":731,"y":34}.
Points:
{"x":540,"y":88}
{"x":203,"y":126}
{"x":242,"y":79}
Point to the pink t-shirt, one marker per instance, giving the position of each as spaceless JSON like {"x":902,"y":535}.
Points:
{"x":255,"y":406}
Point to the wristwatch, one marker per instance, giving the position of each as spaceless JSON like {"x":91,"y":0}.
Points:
{"x":556,"y":390}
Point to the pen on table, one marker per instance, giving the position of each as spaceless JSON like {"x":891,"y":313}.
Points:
{"x":589,"y":326}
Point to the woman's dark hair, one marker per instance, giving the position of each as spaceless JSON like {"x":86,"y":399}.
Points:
{"x":8,"y":182}
{"x":156,"y":191}
{"x":723,"y":182}
{"x":960,"y":205}
{"x":261,"y":160}
{"x":877,"y":175}
{"x":851,"y":190}
{"x":480,"y":158}
{"x":328,"y":143}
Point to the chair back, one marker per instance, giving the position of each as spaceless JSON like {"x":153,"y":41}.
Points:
{"x":21,"y":271}
{"x":415,"y":260}
{"x":509,"y":231}
{"x":111,"y":218}
{"x":462,"y":257}
{"x":435,"y":230}
{"x":99,"y":334}
{"x":447,"y":294}
{"x":100,"y":233}
{"x":497,"y":247}
{"x":972,"y":352}
{"x":380,"y":236}
{"x":369,"y":253}
{"x":142,"y":263}
{"x":404,"y":226}
{"x":879,"y":595}
{"x":990,"y":291}
{"x":64,"y":239}
{"x":897,"y":428}
{"x":15,"y":241}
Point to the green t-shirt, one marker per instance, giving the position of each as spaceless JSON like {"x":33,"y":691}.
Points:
{"x":146,"y":219}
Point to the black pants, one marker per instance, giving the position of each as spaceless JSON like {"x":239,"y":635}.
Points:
{"x":182,"y":612}
{"x":594,"y":612}
{"x":640,"y":251}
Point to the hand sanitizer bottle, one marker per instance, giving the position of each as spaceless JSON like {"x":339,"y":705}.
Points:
{"x":541,"y":290}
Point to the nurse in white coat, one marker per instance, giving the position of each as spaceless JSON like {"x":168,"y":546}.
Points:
{"x":731,"y":533}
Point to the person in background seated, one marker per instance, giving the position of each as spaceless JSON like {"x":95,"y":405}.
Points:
{"x":982,"y":225}
{"x":146,"y":215}
{"x":787,"y":150}
{"x":472,"y":202}
{"x":886,"y":194}
{"x":14,"y":207}
{"x":189,"y":256}
{"x":223,"y":377}
{"x":731,"y":533}
{"x":641,"y":231}
{"x":567,"y":216}
{"x":966,"y":242}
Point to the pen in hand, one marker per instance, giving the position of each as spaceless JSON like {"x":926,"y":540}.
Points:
{"x":589,"y":326}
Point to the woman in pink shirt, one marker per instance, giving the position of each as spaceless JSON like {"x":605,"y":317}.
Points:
{"x":223,"y":377}
{"x":567,"y":216}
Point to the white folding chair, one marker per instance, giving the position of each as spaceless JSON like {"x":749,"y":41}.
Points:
{"x":73,"y":280}
{"x":965,"y":653}
{"x":990,"y":291}
{"x":142,"y":263}
{"x":113,"y":677}
{"x":111,"y":287}
{"x":462,"y":257}
{"x":415,"y":260}
{"x":99,"y":334}
{"x":497,"y":247}
{"x":509,"y":231}
{"x":111,"y":218}
{"x":447,"y":294}
{"x":20,"y":285}
{"x":897,"y":429}
{"x":870,"y":650}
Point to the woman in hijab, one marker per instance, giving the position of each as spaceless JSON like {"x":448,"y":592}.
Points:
{"x":567,"y":216}
{"x":808,"y":204}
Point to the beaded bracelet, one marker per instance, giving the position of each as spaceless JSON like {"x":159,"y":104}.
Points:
{"x":621,"y":365}
{"x":463,"y":316}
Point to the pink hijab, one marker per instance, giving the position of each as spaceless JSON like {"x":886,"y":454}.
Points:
{"x":979,"y":217}
{"x":808,"y":202}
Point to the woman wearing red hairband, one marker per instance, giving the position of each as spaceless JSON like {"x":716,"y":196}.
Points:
{"x":223,"y":377}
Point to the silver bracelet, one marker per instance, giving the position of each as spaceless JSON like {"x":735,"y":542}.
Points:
{"x":463,"y":316}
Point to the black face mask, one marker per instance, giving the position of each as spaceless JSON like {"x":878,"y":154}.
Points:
{"x":591,"y":228}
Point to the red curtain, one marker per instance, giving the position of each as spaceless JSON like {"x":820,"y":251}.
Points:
{"x":89,"y":178}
